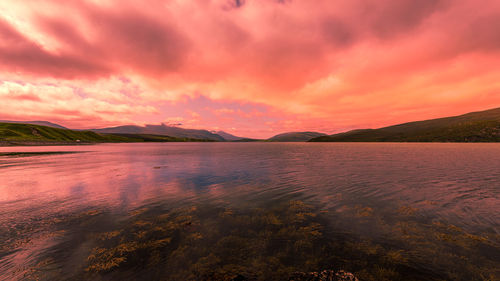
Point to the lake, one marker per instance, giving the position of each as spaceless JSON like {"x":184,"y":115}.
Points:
{"x":212,"y":211}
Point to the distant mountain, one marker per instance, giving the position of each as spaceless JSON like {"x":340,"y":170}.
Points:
{"x":482,"y":126}
{"x":228,"y":136}
{"x":295,"y":136}
{"x":162,"y":130}
{"x":41,"y":123}
{"x":19,"y":134}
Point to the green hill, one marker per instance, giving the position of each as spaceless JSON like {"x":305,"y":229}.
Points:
{"x":15,"y":133}
{"x":483,"y":126}
{"x":41,"y":123}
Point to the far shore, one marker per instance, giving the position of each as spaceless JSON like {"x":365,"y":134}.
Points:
{"x":57,"y":143}
{"x":43,"y":143}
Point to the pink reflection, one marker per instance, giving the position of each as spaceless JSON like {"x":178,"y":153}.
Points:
{"x":102,"y":174}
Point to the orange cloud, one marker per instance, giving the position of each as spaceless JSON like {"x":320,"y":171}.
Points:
{"x":315,"y":65}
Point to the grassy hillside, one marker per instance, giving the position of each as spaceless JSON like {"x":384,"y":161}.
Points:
{"x":483,"y":126}
{"x":31,"y":132}
{"x":295,"y":136}
{"x":41,"y":123}
{"x":19,"y":133}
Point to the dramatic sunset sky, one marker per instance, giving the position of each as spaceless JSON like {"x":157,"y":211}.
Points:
{"x":253,"y":68}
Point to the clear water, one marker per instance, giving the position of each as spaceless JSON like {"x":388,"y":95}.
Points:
{"x":194,"y":211}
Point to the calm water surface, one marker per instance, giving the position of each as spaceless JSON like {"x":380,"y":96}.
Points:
{"x":210,"y":211}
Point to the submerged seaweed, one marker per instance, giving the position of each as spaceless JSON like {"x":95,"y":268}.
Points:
{"x":208,"y":242}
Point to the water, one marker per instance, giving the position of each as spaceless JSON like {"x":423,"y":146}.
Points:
{"x":210,"y":211}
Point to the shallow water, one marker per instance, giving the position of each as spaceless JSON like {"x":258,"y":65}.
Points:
{"x":262,"y":210}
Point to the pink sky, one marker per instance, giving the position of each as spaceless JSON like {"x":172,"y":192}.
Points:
{"x":253,"y":68}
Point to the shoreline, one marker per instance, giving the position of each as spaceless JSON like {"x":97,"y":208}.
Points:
{"x":44,"y":143}
{"x":68,"y":143}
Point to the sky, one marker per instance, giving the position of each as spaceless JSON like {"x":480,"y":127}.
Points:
{"x":252,"y":68}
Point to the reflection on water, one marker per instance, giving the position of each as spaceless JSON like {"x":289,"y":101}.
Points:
{"x":212,"y":211}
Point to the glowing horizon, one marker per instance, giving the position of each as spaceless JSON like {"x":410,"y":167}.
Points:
{"x":250,"y":68}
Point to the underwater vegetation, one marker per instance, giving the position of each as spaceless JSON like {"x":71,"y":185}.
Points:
{"x":208,"y":242}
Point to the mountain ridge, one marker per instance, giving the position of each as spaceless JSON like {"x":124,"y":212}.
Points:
{"x":228,"y":136}
{"x":41,"y":123}
{"x":162,"y":129}
{"x":478,"y":126}
{"x":295,"y":136}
